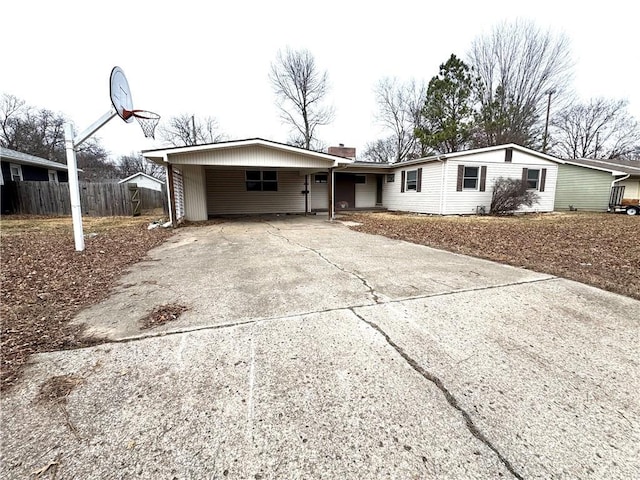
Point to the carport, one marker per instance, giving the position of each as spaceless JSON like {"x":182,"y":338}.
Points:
{"x":246,"y":177}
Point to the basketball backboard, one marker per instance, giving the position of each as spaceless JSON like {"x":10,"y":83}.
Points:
{"x":121,"y":95}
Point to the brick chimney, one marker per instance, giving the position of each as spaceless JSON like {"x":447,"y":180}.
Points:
{"x":342,"y":151}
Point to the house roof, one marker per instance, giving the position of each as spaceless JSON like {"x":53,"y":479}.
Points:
{"x":166,"y":152}
{"x":7,"y":154}
{"x":615,"y":166}
{"x":141,"y":174}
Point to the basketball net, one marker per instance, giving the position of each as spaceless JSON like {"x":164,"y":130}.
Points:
{"x":147,"y":120}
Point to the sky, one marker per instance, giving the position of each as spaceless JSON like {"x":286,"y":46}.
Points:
{"x":212,"y":58}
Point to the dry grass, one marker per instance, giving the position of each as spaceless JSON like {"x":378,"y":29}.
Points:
{"x":599,"y":249}
{"x":45,"y":282}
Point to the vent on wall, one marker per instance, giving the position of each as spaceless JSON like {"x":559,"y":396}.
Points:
{"x":481,"y":210}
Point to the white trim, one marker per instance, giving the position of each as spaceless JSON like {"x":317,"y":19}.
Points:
{"x":165,"y":153}
{"x":160,"y":182}
{"x":19,"y":172}
{"x":477,"y":177}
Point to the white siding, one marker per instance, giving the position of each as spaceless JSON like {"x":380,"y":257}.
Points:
{"x":253,"y":156}
{"x":466,"y":202}
{"x":631,"y":188}
{"x":366,"y":192}
{"x":227,"y":194}
{"x":195,"y":197}
{"x":426,"y":201}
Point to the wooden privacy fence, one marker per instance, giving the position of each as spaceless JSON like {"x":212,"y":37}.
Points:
{"x":96,"y":199}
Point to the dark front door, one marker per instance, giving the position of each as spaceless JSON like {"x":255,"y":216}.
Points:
{"x":345,"y":191}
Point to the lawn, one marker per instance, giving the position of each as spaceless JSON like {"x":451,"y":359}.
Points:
{"x":598,"y":249}
{"x":45,"y":282}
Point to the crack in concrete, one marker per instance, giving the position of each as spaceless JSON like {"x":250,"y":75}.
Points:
{"x":370,"y":290}
{"x":311,"y":312}
{"x":451,"y":399}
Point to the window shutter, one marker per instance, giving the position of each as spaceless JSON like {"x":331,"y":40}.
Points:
{"x":483,"y":178}
{"x":508,"y":155}
{"x":543,"y":178}
{"x":402,"y":181}
{"x":525,"y":172}
{"x":419,"y":181}
{"x":460,"y":176}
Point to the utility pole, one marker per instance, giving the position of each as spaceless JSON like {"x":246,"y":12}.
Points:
{"x":193,"y":129}
{"x":549,"y":92}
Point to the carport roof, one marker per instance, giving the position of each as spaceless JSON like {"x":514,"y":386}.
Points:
{"x":165,"y":153}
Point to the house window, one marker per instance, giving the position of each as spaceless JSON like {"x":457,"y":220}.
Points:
{"x":391,"y":177}
{"x":16,"y":172}
{"x":262,"y":180}
{"x":533,"y":179}
{"x":412,"y":180}
{"x":361,"y":179}
{"x":53,"y":176}
{"x":470,"y":178}
{"x":320,"y":178}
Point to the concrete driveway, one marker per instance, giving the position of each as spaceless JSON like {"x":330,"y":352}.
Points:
{"x":313,"y":351}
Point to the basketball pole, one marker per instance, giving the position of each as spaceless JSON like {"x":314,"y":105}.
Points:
{"x":71,"y":143}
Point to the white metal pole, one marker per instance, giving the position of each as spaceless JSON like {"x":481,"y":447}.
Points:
{"x":74,"y":189}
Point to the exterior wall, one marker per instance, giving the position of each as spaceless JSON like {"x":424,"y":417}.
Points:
{"x":319,"y":196}
{"x":366,"y":192}
{"x":252,"y":156}
{"x":31,"y":173}
{"x":425,"y":201}
{"x":582,"y":188}
{"x":632,"y":187}
{"x":466,"y":202}
{"x":144,"y":182}
{"x":195,"y":193}
{"x":227,"y":193}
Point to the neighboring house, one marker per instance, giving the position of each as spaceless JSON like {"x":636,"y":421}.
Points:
{"x":143,"y":180}
{"x":259,"y":176}
{"x":21,"y":167}
{"x":586,"y":184}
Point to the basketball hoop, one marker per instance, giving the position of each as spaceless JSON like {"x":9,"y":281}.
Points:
{"x":147,"y":120}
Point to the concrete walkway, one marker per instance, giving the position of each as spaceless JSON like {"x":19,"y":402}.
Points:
{"x":313,"y":351}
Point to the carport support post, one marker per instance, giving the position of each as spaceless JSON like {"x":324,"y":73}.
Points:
{"x":331,"y":194}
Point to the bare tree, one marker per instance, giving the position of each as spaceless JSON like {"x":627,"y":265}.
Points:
{"x":517,"y":64}
{"x":186,"y":129}
{"x":599,"y":129}
{"x":38,"y":132}
{"x":399,"y":107}
{"x":134,"y":162}
{"x":301,"y":88}
{"x":380,"y":151}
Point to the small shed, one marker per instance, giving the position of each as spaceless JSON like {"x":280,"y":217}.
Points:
{"x":143,"y":180}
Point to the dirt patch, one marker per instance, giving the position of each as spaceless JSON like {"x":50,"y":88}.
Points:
{"x":598,"y":249}
{"x":57,"y":389}
{"x":161,"y":315}
{"x":45,"y":282}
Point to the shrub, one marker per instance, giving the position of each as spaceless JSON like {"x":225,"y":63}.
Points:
{"x":509,"y":194}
